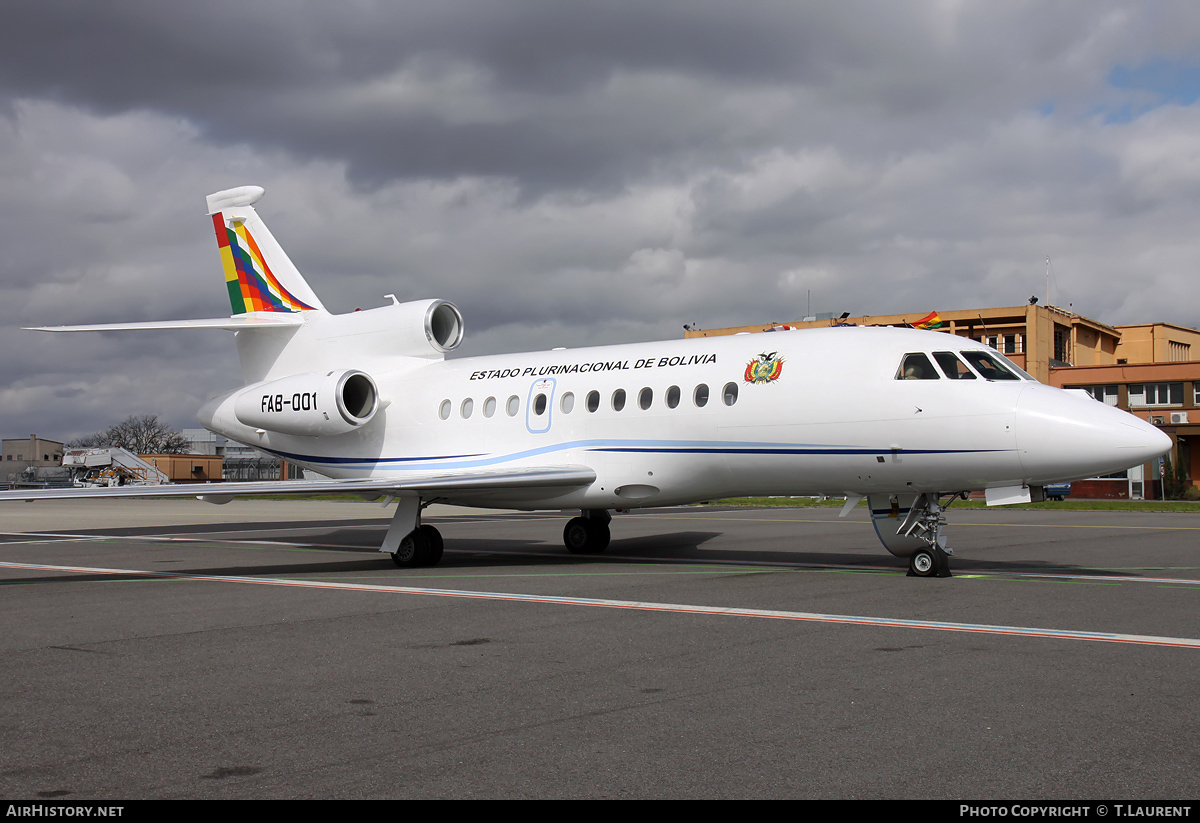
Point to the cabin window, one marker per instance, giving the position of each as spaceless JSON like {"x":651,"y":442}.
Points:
{"x":489,"y":407}
{"x":988,"y":366}
{"x":645,"y":398}
{"x":593,"y":401}
{"x":916,"y":366}
{"x":700,"y":396}
{"x":952,"y":367}
{"x":673,"y":396}
{"x":618,"y":400}
{"x":444,"y":411}
{"x":514,"y":405}
{"x":539,"y":405}
{"x":729,"y":395}
{"x":567,"y":403}
{"x":467,"y":407}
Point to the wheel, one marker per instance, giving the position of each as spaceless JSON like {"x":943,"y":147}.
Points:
{"x":577,"y":536}
{"x":922,"y":563}
{"x":434,"y":538}
{"x":600,"y":535}
{"x":413,"y":550}
{"x":584,"y":535}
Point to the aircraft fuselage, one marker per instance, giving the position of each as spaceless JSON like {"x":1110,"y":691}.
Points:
{"x":821,"y":411}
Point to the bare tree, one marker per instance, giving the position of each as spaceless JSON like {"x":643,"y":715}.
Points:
{"x":140,"y":435}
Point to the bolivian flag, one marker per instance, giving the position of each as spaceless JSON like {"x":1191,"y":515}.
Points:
{"x":929,"y":321}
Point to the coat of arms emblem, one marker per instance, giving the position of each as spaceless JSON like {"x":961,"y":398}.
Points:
{"x":764,"y":368}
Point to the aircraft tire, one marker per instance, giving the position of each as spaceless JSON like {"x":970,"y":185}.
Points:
{"x":436,"y":546}
{"x":413,"y":550}
{"x":600,"y":536}
{"x":582,"y":535}
{"x":922,"y":563}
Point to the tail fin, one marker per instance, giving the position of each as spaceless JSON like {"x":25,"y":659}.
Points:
{"x":258,"y":273}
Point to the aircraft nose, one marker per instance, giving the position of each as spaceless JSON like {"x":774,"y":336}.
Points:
{"x":1065,"y":435}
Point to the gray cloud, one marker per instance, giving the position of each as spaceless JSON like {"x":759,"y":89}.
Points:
{"x":576,"y":173}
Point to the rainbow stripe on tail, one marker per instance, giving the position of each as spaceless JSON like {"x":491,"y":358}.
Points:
{"x":252,"y":286}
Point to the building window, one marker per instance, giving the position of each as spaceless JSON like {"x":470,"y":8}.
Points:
{"x":1155,"y":394}
{"x":1105,"y":394}
{"x":1062,"y":344}
{"x":1178,"y":352}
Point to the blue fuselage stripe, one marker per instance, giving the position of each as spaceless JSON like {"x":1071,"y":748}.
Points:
{"x":442,"y":461}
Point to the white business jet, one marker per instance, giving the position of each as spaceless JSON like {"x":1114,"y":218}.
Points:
{"x":905,"y":418}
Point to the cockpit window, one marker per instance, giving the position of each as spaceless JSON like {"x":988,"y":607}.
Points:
{"x":1024,"y":375}
{"x":988,"y":366}
{"x":952,"y":367}
{"x":916,"y":366}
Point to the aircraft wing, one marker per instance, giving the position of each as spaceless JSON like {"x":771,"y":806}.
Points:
{"x":428,"y":483}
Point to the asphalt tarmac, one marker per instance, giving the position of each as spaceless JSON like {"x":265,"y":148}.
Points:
{"x":174,"y":649}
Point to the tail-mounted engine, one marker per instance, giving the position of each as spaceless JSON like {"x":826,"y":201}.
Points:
{"x":335,"y":402}
{"x":382,"y":339}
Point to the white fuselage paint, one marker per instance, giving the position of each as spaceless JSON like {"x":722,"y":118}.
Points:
{"x":835,"y":420}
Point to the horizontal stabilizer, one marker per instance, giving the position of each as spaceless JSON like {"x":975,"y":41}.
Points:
{"x":431,"y":482}
{"x":239,"y":322}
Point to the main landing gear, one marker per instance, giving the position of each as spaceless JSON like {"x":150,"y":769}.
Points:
{"x":408,"y":542}
{"x":588,"y":534}
{"x":421,"y":547}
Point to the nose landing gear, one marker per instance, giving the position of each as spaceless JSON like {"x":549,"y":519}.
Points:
{"x":919,"y":535}
{"x":925,"y":521}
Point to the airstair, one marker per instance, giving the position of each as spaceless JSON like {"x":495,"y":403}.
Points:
{"x":111,"y":466}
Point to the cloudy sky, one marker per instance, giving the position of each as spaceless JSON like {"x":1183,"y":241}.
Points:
{"x":572,"y":173}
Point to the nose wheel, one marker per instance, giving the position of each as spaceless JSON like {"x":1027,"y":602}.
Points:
{"x":933,"y":562}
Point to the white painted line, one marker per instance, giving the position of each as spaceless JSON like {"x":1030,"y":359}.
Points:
{"x":676,"y":608}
